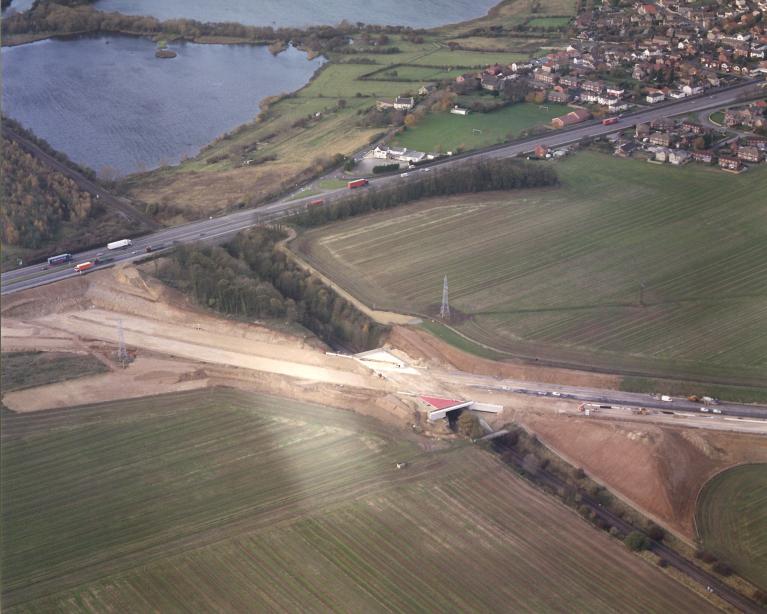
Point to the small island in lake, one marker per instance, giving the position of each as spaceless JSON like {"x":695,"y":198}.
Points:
{"x":165,"y":53}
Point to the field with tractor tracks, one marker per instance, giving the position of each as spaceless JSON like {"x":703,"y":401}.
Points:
{"x":732,"y":520}
{"x":629,"y":266}
{"x":227,"y":501}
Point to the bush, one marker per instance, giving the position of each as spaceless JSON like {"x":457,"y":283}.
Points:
{"x":656,"y":533}
{"x":637,"y":541}
{"x":705,"y":556}
{"x":662,"y":563}
{"x":722,"y":568}
{"x":614,"y":531}
{"x":385,"y":168}
{"x":511,"y":438}
{"x":760,"y":597}
{"x":579,"y":474}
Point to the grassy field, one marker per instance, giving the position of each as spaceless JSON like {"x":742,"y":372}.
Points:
{"x":29,"y":369}
{"x":548,"y":22}
{"x":448,"y":131}
{"x":224,"y":501}
{"x":555,"y":274}
{"x":732,"y":520}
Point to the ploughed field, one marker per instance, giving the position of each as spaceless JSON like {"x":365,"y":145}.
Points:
{"x":556,"y":273}
{"x":226,"y":501}
{"x":732,"y":520}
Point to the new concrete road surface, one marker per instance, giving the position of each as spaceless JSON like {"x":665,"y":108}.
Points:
{"x":221,"y":228}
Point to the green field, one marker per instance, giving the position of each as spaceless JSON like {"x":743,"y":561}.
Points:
{"x":448,"y":131}
{"x":555,"y":274}
{"x":732,"y":520}
{"x":226,"y":501}
{"x":29,"y":369}
{"x":548,"y":22}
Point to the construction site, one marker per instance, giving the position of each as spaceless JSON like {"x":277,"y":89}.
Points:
{"x":152,"y":341}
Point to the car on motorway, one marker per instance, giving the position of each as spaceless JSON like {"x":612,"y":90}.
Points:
{"x":148,"y":249}
{"x":404,"y":174}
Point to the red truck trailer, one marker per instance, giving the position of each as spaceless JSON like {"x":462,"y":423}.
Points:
{"x":357,"y":183}
{"x":609,"y":121}
{"x":316,"y":202}
{"x":84,"y":266}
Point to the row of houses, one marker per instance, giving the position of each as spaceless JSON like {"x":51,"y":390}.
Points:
{"x":679,"y":142}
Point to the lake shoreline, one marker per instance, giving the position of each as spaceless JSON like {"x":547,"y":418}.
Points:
{"x":95,"y":57}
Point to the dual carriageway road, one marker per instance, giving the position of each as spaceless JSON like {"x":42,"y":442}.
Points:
{"x":224,"y":227}
{"x":219,"y":229}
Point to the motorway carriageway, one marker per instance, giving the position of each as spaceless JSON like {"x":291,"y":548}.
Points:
{"x":598,"y":395}
{"x":219,"y":229}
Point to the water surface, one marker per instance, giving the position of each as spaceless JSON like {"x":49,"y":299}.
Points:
{"x":108,"y":102}
{"x":301,"y":13}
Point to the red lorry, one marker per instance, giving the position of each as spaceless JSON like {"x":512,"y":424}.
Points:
{"x":316,"y":202}
{"x":357,"y":183}
{"x":84,"y":266}
{"x":609,"y":121}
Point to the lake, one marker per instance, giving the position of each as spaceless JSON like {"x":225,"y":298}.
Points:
{"x":301,"y":13}
{"x":108,"y":102}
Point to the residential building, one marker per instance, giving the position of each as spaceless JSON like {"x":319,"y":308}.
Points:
{"x":492,"y":83}
{"x":559,"y":96}
{"x":661,"y":139}
{"x":679,"y":156}
{"x":749,"y":154}
{"x":706,"y":156}
{"x":729,"y":163}
{"x":545,"y":77}
{"x":404,"y":103}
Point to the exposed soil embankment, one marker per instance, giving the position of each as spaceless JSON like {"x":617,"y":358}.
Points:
{"x":178,"y":347}
{"x":422,"y":345}
{"x":660,"y":470}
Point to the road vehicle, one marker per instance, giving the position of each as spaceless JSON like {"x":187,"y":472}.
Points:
{"x":60,"y":259}
{"x":121,"y":244}
{"x":84,"y":266}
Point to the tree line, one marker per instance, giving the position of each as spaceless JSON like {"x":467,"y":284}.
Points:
{"x":482,"y":176}
{"x":249,"y":277}
{"x":76,"y":16}
{"x":36,"y":199}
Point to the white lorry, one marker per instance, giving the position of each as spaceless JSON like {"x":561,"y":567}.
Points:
{"x":119,"y":244}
